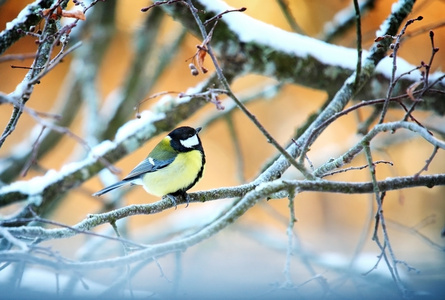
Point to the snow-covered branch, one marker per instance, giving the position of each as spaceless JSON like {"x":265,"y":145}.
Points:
{"x":29,"y":16}
{"x":247,"y":45}
{"x":237,"y":45}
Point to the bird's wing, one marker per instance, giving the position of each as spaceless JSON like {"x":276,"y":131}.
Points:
{"x":147,"y":166}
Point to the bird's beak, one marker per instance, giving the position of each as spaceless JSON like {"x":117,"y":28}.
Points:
{"x":198,"y":129}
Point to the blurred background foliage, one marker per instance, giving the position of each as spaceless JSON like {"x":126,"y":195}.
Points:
{"x":329,"y":225}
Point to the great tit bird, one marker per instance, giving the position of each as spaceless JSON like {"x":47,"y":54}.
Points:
{"x":174,"y":166}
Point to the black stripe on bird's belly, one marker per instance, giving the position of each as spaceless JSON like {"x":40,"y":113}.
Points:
{"x":183,"y":191}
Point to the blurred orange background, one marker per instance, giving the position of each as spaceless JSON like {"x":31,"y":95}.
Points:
{"x":326,"y":222}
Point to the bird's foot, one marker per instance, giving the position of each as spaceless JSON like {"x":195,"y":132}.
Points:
{"x":187,"y":199}
{"x":184,"y":196}
{"x":173,"y":200}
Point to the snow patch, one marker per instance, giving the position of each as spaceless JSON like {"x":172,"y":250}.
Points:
{"x":249,"y":29}
{"x":133,"y":126}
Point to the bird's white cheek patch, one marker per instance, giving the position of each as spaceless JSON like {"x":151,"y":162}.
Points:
{"x":190,"y":142}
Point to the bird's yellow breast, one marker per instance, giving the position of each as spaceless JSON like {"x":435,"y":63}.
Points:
{"x":178,"y":175}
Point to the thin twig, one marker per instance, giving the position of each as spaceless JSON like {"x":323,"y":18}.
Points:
{"x":428,"y":161}
{"x":394,"y":53}
{"x":158,"y":3}
{"x":237,"y":147}
{"x":51,"y":66}
{"x":290,"y":235}
{"x":358,"y":68}
{"x":380,"y":219}
{"x":356,"y":168}
{"x":415,"y":230}
{"x":426,"y":74}
{"x":332,"y":118}
{"x":219,"y":16}
{"x":243,"y":108}
{"x":33,"y":156}
{"x":284,"y":6}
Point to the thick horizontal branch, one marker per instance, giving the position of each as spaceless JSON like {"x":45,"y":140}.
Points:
{"x":388,"y":184}
{"x":250,"y":198}
{"x":324,"y":186}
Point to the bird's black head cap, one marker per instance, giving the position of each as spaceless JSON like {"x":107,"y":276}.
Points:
{"x":182,"y":139}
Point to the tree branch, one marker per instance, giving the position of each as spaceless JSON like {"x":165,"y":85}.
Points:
{"x":246,"y":45}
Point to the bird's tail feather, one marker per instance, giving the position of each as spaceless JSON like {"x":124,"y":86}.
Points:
{"x":110,"y":188}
